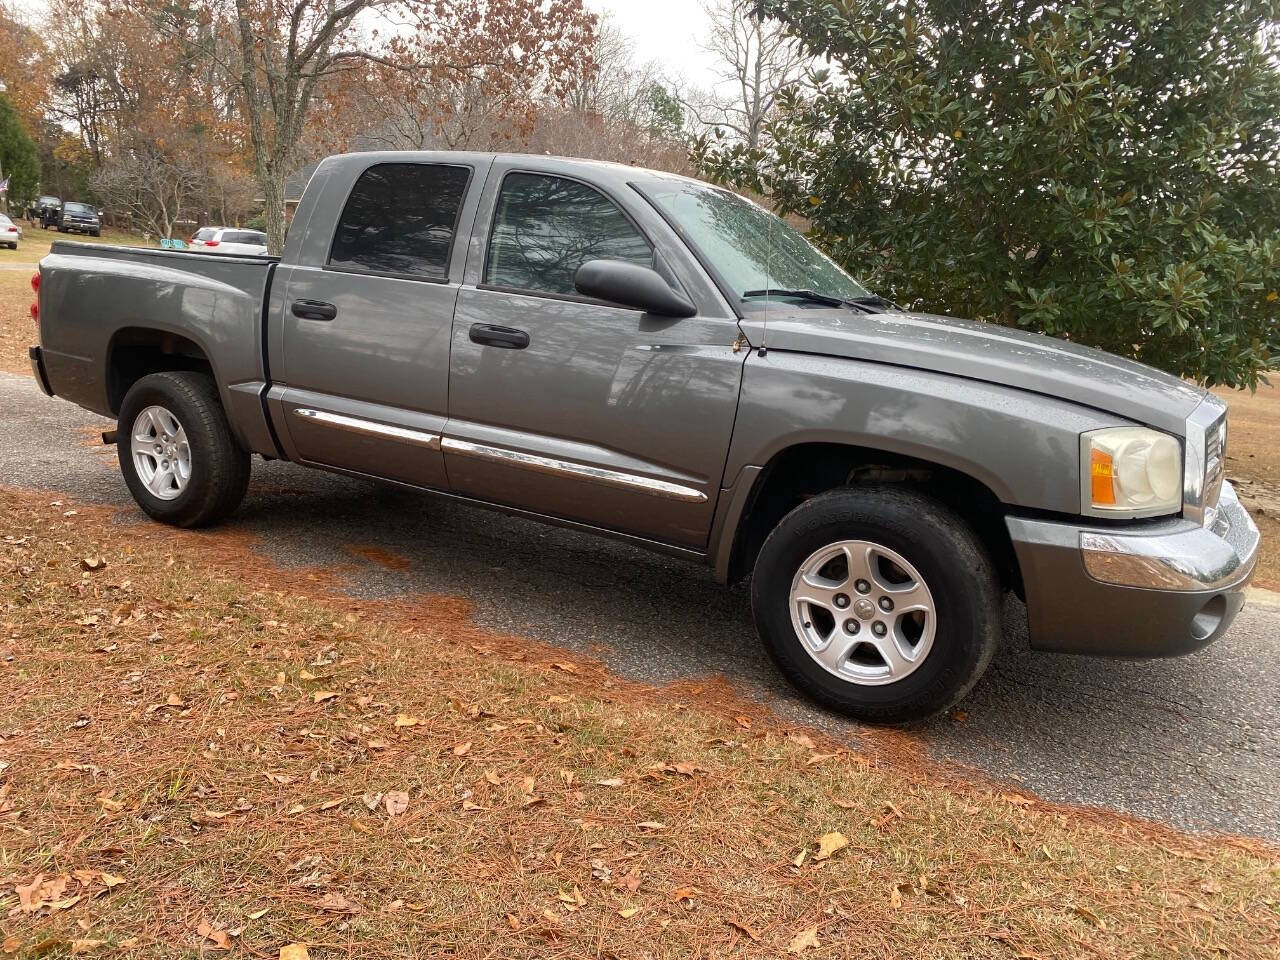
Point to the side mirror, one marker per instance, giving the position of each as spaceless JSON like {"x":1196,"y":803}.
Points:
{"x":631,"y":285}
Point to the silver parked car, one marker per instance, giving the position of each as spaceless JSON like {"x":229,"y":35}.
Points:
{"x":230,"y":240}
{"x":10,"y":232}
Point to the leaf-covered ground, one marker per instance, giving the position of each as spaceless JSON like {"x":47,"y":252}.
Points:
{"x":200,"y":755}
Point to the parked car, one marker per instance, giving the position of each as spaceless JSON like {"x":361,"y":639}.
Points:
{"x":45,"y":209}
{"x":229,"y":240}
{"x":642,"y":355}
{"x":10,"y":232}
{"x":79,"y":218}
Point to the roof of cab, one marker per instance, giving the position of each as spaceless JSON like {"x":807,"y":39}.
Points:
{"x":600,"y":170}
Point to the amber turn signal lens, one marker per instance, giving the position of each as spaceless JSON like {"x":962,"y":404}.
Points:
{"x":1102,"y":472}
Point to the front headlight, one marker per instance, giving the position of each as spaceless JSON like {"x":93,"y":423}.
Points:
{"x":1130,"y":472}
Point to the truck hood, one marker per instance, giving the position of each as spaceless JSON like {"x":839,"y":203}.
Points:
{"x":984,"y":351}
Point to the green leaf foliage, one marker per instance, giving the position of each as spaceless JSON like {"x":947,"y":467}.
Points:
{"x":18,"y":159}
{"x":1105,"y":172}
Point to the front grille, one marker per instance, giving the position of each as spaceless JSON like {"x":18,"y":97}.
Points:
{"x":1215,"y":462}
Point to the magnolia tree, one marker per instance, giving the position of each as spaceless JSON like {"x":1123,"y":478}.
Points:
{"x":1105,"y":172}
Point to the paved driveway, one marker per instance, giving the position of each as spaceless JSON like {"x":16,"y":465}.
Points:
{"x":1194,"y":742}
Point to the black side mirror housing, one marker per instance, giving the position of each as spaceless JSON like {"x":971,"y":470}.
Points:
{"x":631,"y":285}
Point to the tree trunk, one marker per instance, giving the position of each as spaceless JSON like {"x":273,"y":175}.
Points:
{"x":271,"y":180}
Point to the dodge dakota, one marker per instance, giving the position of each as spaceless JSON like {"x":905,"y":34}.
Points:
{"x":653,"y":358}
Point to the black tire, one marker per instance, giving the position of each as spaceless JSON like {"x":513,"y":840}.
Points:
{"x":219,"y":468}
{"x":96,"y":233}
{"x":948,"y":556}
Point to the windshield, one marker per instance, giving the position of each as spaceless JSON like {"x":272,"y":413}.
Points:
{"x":750,"y":248}
{"x":77,"y":208}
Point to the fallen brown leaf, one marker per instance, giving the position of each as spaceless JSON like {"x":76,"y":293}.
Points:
{"x":396,"y":802}
{"x":829,"y":843}
{"x":804,"y":940}
{"x":745,"y":929}
{"x":219,"y":938}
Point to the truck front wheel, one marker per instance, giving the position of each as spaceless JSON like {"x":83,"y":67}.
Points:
{"x":176,"y":451}
{"x":877,"y":601}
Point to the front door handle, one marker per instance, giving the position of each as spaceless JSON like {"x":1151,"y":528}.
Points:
{"x":506,"y":337}
{"x":314,"y":310}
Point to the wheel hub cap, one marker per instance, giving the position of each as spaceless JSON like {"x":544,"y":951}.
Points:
{"x":161,"y":454}
{"x":888,"y":630}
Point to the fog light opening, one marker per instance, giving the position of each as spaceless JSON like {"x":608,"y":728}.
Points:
{"x":1206,"y":623}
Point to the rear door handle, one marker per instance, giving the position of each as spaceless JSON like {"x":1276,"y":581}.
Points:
{"x":314,"y":310}
{"x":506,"y":337}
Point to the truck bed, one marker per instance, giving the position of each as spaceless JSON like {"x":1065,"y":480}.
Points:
{"x":95,"y":299}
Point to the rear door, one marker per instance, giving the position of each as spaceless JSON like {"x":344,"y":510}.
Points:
{"x":572,"y":407}
{"x":365,"y":352}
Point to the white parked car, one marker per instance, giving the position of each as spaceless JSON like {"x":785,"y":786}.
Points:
{"x":10,"y":232}
{"x":230,"y":240}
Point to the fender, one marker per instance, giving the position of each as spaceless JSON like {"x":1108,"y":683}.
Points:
{"x":1024,"y":447}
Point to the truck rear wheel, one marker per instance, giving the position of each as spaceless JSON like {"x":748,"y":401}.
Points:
{"x":877,"y":601}
{"x":176,"y":451}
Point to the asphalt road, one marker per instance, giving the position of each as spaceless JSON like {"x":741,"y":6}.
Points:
{"x":1194,"y":742}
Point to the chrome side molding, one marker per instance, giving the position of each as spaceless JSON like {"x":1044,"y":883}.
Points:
{"x":370,"y":428}
{"x":566,"y":468}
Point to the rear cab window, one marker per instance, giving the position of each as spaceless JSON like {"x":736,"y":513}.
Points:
{"x":205,"y":234}
{"x":545,"y":227}
{"x":400,"y":220}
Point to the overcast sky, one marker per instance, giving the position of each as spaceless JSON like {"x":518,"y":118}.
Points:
{"x":667,"y":31}
{"x":663,"y":30}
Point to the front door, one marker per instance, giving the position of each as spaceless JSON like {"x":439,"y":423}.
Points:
{"x":365,"y":353}
{"x":576,"y":408}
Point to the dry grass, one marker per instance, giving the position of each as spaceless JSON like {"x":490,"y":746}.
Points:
{"x":17,"y":332}
{"x":201,"y":751}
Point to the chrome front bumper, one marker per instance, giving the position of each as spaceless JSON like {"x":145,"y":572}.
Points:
{"x":1188,"y":557}
{"x":1142,"y":590}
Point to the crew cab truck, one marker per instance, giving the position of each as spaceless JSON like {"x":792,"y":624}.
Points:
{"x":646,"y":356}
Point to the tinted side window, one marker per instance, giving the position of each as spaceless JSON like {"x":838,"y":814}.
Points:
{"x":244,"y":236}
{"x":546,"y":227}
{"x":400,"y":218}
{"x":207,"y":233}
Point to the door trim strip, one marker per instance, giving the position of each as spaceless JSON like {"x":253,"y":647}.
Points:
{"x":580,"y":471}
{"x":370,"y":428}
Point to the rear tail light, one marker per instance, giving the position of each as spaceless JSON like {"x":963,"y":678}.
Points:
{"x":13,"y":230}
{"x":35,"y":313}
{"x":212,"y":243}
{"x":35,"y":282}
{"x":35,"y":288}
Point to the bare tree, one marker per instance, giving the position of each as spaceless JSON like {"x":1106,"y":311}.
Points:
{"x":153,"y":190}
{"x":757,"y":59}
{"x":283,"y":57}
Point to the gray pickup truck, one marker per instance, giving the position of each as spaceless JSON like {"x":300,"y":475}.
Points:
{"x":649,"y":357}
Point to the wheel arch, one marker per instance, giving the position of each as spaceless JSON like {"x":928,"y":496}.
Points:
{"x":134,"y":352}
{"x":803,"y":470}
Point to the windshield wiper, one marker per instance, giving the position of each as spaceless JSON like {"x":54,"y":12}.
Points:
{"x":813,"y":296}
{"x":873,"y":300}
{"x":867,"y":303}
